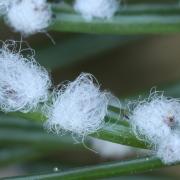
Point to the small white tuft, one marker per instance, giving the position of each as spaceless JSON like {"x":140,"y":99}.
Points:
{"x":29,"y":16}
{"x":96,"y":8}
{"x":78,"y":107}
{"x":23,"y":82}
{"x":155,"y":118}
{"x":169,"y":149}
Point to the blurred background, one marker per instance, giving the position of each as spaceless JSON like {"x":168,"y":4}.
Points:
{"x":126,"y":65}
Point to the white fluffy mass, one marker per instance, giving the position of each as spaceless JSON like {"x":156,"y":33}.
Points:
{"x":157,"y":121}
{"x":169,"y":149}
{"x":28,"y":16}
{"x":155,"y":118}
{"x":23,"y":82}
{"x":78,"y":107}
{"x":96,"y":8}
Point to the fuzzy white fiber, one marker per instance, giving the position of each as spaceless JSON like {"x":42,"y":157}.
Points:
{"x":155,"y":118}
{"x":29,"y":16}
{"x":78,"y":107}
{"x":169,"y":149}
{"x":96,"y":8}
{"x":23,"y":82}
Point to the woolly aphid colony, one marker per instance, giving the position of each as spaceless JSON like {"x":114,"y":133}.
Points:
{"x":157,"y":120}
{"x":23,"y":82}
{"x":26,"y":16}
{"x":78,"y":107}
{"x":89,"y":9}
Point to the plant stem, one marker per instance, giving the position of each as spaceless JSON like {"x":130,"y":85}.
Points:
{"x":104,"y":170}
{"x":137,"y":9}
{"x":117,"y":131}
{"x":121,"y":24}
{"x":131,"y":19}
{"x":121,"y":135}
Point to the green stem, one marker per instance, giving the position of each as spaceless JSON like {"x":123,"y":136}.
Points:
{"x":133,"y":19}
{"x":114,"y":130}
{"x":105,"y":170}
{"x":137,"y":9}
{"x":121,"y":135}
{"x":118,"y":25}
{"x":18,"y":122}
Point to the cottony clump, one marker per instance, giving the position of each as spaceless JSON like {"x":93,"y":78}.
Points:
{"x":96,"y":8}
{"x":78,"y":107}
{"x":157,"y":121}
{"x":28,"y":16}
{"x":169,"y":149}
{"x":155,"y":118}
{"x":23,"y":82}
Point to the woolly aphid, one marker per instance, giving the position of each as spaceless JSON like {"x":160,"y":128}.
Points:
{"x":23,"y":82}
{"x":156,"y":120}
{"x":156,"y":117}
{"x":89,"y":9}
{"x":28,"y":16}
{"x":78,"y":107}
